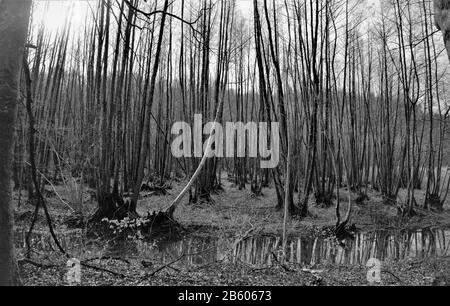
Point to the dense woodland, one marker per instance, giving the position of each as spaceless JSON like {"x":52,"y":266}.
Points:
{"x":361,"y":102}
{"x":360,"y":91}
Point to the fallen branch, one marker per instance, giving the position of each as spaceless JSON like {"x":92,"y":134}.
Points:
{"x":171,"y":209}
{"x":393,"y":275}
{"x":162,"y":267}
{"x":243,"y":237}
{"x":107,"y":258}
{"x":37,"y":264}
{"x":84,"y":264}
{"x":169,"y":265}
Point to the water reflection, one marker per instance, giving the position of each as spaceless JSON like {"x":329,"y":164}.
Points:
{"x":42,"y":240}
{"x":381,"y":245}
{"x":259,"y":251}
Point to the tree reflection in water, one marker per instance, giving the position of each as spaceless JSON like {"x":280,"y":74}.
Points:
{"x":258,"y":251}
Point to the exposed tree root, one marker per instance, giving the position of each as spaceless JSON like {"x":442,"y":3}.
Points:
{"x":161,"y":223}
{"x":435,"y":203}
{"x":390,"y":200}
{"x":324,"y":199}
{"x":202,"y":199}
{"x":256,"y":190}
{"x":407,"y":211}
{"x":112,"y":207}
{"x":362,"y":197}
{"x":218,"y":188}
{"x":345,"y":232}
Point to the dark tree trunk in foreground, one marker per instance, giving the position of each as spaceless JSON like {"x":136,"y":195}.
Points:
{"x":14,"y":16}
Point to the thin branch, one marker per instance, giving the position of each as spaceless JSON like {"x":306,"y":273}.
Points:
{"x":149,"y":14}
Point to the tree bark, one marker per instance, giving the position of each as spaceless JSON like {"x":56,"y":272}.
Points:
{"x":442,"y":19}
{"x":14,"y":18}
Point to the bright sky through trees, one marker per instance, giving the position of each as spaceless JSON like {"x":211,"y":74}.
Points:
{"x":54,"y":12}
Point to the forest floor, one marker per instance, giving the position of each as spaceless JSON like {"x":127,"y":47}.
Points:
{"x":401,"y":273}
{"x":235,"y":214}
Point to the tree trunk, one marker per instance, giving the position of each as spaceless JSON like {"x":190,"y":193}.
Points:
{"x":442,"y":18}
{"x":14,"y":18}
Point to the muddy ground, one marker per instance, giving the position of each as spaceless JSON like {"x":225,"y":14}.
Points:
{"x":234,"y":214}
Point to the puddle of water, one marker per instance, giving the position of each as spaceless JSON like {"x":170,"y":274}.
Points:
{"x":381,"y":245}
{"x":258,"y":250}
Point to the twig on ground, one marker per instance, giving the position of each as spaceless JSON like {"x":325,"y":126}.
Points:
{"x":107,"y":258}
{"x":162,"y":267}
{"x":393,"y":275}
{"x":37,"y":264}
{"x":83,"y":263}
{"x":169,"y":265}
{"x":102,"y":270}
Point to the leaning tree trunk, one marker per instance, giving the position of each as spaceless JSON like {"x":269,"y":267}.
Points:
{"x":442,"y":18}
{"x":14,"y":18}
